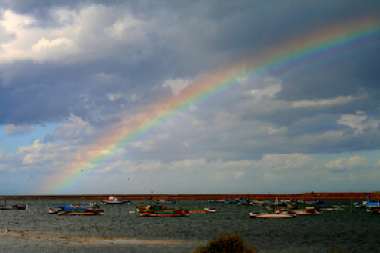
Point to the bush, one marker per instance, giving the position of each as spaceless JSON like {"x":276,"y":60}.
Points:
{"x":226,"y":244}
{"x":335,"y":250}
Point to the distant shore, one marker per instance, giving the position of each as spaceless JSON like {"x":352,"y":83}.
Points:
{"x":354,"y":196}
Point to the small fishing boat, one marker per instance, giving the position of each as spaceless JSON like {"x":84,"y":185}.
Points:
{"x":82,"y":213}
{"x":374,"y":210}
{"x":210,"y":209}
{"x":111,"y":200}
{"x":277,"y":213}
{"x":166,"y":202}
{"x":332,"y":208}
{"x":14,"y":207}
{"x":161,"y":211}
{"x":281,"y":215}
{"x":373,"y":206}
{"x":4,"y":206}
{"x":217,"y":201}
{"x":306,"y":211}
{"x":257,"y":203}
{"x":200,"y":211}
{"x":78,"y":209}
{"x":176,"y":213}
{"x":205,"y":210}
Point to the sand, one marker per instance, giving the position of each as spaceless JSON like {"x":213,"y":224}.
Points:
{"x":90,"y":240}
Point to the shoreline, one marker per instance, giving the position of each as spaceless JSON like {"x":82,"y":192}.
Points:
{"x":30,"y":235}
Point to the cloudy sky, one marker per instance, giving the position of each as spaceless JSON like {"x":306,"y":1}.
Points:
{"x":71,"y":70}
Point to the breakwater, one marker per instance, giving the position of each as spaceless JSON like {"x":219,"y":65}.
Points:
{"x":354,"y":196}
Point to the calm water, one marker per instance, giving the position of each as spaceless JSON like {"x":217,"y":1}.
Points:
{"x":36,"y":231}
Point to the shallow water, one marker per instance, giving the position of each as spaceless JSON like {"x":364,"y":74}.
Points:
{"x":34,"y":230}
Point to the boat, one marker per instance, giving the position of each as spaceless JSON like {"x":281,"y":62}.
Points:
{"x":225,"y":201}
{"x":14,"y":207}
{"x":111,"y":200}
{"x":166,"y":202}
{"x":210,"y":209}
{"x":205,"y":210}
{"x":281,"y":215}
{"x":161,"y":211}
{"x":174,"y":213}
{"x":277,"y":214}
{"x":244,"y":202}
{"x":200,"y":211}
{"x":257,"y":203}
{"x":217,"y":201}
{"x":332,"y":208}
{"x":306,"y":211}
{"x":77,"y":209}
{"x":374,"y":210}
{"x":4,"y":206}
{"x":372,"y":204}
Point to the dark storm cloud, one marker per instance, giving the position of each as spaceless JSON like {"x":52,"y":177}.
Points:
{"x":37,"y":93}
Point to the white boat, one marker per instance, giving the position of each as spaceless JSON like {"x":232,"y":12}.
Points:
{"x":210,"y":209}
{"x":333,"y":208}
{"x":113,"y":200}
{"x":306,"y":211}
{"x":278,"y":214}
{"x":271,"y":215}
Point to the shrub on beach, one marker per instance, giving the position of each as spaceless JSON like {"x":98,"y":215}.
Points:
{"x":226,"y":244}
{"x":335,"y":250}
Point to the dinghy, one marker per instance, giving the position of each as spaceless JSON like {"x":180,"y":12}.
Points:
{"x":271,"y":215}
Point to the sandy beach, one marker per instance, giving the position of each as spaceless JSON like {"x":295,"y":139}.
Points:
{"x":90,"y":240}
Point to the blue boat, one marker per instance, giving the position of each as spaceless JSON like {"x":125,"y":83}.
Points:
{"x":373,"y":204}
{"x":77,"y":209}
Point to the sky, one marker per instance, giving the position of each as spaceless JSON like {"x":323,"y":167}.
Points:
{"x":76,"y":76}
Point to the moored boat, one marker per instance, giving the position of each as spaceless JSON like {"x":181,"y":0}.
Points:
{"x":4,"y":206}
{"x":175,"y":213}
{"x":161,"y":211}
{"x":373,"y":207}
{"x":306,"y":211}
{"x":14,"y":207}
{"x":210,"y":209}
{"x":111,"y":200}
{"x":79,"y":209}
{"x":277,"y":213}
{"x":200,"y":211}
{"x":271,"y":215}
{"x":374,"y":210}
{"x":332,"y":208}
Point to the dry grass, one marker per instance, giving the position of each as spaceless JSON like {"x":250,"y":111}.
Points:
{"x":226,"y":244}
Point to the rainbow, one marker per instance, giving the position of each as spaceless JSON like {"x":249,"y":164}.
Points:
{"x":285,"y":55}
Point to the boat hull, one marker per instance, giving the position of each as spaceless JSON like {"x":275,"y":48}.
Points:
{"x":109,"y":202}
{"x":164,"y":215}
{"x":88,"y":213}
{"x":304,"y":212}
{"x":271,"y":216}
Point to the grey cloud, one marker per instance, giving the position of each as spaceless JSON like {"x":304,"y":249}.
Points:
{"x":181,"y":41}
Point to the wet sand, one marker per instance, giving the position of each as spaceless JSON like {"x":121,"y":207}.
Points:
{"x":36,"y":241}
{"x":91,"y":240}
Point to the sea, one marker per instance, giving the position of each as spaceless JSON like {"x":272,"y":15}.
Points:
{"x":120,"y":230}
